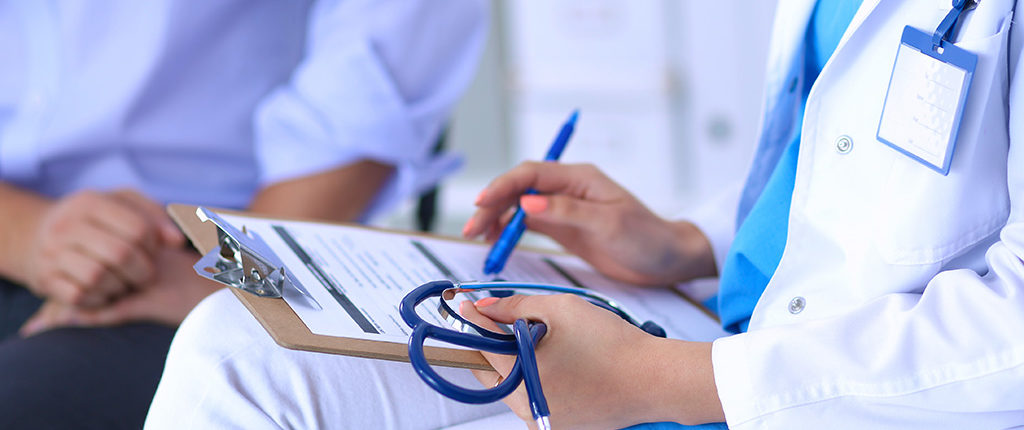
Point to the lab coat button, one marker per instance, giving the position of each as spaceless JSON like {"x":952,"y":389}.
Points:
{"x":844,"y":144}
{"x":797,"y":305}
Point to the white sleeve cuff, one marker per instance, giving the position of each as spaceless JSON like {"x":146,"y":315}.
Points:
{"x":729,"y":361}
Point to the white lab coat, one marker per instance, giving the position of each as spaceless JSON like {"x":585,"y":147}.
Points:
{"x":912,"y":283}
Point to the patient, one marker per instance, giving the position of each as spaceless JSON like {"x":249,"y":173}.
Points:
{"x":325,"y":110}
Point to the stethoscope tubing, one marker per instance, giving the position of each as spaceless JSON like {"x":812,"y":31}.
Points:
{"x":522,"y":344}
{"x":592,"y":297}
{"x":453,"y":391}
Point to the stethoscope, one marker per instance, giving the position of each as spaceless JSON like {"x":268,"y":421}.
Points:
{"x":521,"y":342}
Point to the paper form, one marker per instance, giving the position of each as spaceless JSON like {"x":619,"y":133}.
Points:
{"x":359,"y":277}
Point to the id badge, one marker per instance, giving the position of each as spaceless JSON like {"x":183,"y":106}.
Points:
{"x":925,"y":100}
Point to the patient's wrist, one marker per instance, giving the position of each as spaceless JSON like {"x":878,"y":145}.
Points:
{"x":21,"y":213}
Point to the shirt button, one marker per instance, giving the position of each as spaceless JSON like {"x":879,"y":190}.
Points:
{"x":844,"y":144}
{"x":797,"y":305}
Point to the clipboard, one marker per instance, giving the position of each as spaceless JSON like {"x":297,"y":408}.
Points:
{"x":289,"y":331}
{"x":282,"y":322}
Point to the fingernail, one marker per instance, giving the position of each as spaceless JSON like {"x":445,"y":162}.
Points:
{"x":486,"y":301}
{"x":479,"y":197}
{"x":466,"y":228}
{"x":533,"y":204}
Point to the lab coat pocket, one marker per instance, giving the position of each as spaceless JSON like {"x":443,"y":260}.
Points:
{"x":925,"y":217}
{"x":984,"y":20}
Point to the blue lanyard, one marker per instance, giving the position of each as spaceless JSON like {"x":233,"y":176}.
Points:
{"x":946,"y":31}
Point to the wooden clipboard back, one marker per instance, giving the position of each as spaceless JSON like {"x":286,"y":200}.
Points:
{"x":288,"y":330}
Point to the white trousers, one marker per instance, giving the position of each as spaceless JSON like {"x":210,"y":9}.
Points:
{"x":224,"y":371}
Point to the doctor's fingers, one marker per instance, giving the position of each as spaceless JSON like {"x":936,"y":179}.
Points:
{"x":561,"y":217}
{"x":502,"y":363}
{"x":551,"y":309}
{"x":504,"y":190}
{"x":582,"y":181}
{"x":493,"y":232}
{"x":518,"y":400}
{"x":169,"y":232}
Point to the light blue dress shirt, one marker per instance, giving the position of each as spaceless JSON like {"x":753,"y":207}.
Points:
{"x":206,"y":101}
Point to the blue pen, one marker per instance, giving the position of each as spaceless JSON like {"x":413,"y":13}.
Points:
{"x":514,"y":230}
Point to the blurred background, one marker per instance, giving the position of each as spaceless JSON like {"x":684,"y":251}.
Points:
{"x":669,"y":93}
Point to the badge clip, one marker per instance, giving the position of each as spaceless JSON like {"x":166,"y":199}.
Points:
{"x":947,"y":28}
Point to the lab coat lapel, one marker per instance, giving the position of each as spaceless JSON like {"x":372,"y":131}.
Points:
{"x":867,"y":9}
{"x":791,"y":21}
{"x":781,"y":81}
{"x":787,"y":40}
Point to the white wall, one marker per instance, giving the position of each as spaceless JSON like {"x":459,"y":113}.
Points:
{"x":669,"y":92}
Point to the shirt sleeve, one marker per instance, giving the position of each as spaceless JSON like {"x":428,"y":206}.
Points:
{"x":951,"y":356}
{"x":378,"y":81}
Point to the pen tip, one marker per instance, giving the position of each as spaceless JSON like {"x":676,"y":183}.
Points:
{"x":575,"y":114}
{"x":492,"y":267}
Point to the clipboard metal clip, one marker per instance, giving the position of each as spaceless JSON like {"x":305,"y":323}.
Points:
{"x":242,"y":260}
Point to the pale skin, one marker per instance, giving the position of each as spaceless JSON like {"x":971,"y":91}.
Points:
{"x":109,"y":258}
{"x":597,"y":370}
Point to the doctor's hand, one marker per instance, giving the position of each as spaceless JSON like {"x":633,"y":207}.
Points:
{"x":599,"y":371}
{"x":90,"y":247}
{"x":175,"y":290}
{"x":595,"y":218}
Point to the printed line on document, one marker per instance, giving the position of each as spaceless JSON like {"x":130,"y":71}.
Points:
{"x":565,"y":273}
{"x":435,"y":261}
{"x":343,"y":300}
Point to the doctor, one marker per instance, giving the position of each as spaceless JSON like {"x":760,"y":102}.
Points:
{"x":898,"y":296}
{"x":866,"y":289}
